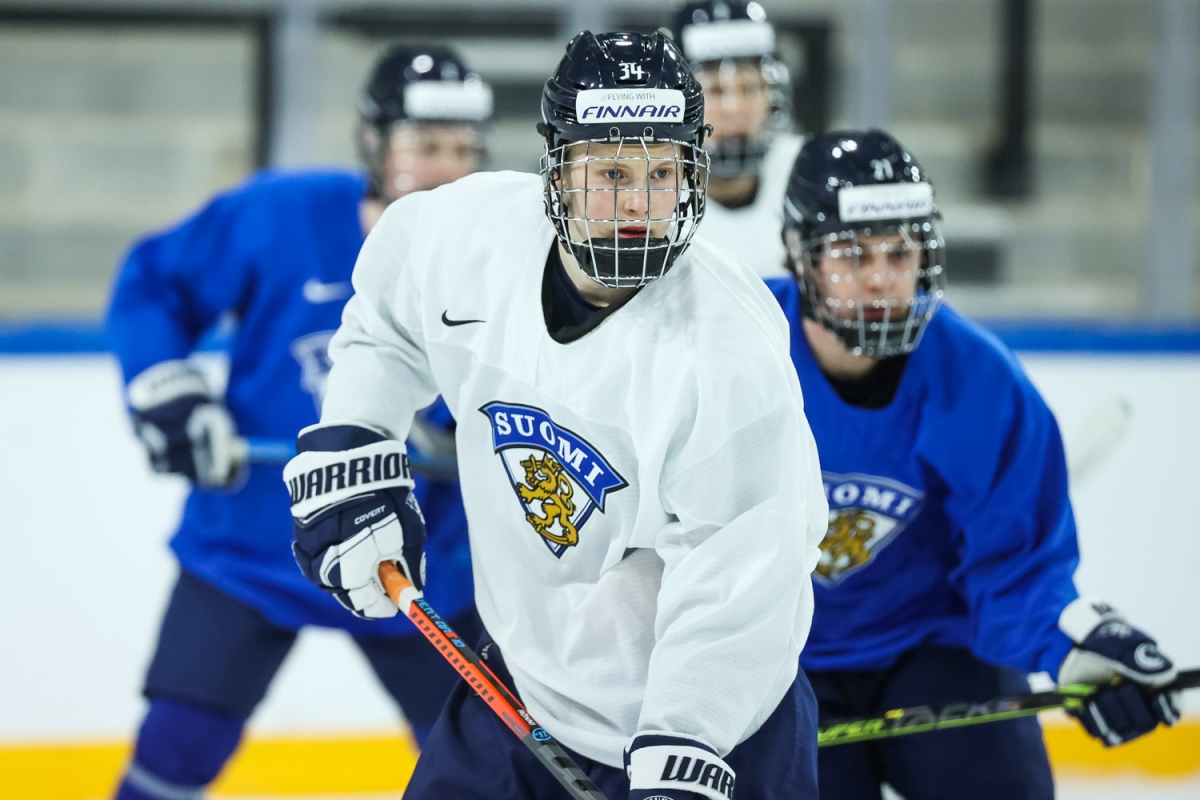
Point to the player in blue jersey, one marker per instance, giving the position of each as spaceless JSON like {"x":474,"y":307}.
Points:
{"x":946,"y":572}
{"x":277,"y":253}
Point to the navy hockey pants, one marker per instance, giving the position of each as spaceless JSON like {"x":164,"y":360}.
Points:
{"x":218,"y":653}
{"x":992,"y":761}
{"x":472,"y":755}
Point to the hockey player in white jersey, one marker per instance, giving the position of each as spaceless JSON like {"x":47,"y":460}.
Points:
{"x":731,"y":46}
{"x":641,"y":485}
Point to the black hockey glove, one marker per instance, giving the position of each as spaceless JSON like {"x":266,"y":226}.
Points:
{"x":1108,"y":647}
{"x":353,"y":509}
{"x":185,"y":430}
{"x":674,"y":767}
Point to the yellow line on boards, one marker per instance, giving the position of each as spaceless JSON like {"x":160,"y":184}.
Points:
{"x":262,"y":765}
{"x":1166,"y":753}
{"x":291,"y":766}
{"x":312,"y":766}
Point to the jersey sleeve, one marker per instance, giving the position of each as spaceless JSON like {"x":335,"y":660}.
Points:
{"x":736,"y":597}
{"x":174,"y":285}
{"x":1018,"y":548}
{"x":381,"y":376}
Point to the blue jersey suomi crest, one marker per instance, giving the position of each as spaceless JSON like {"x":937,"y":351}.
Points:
{"x":312,"y":353}
{"x":865,"y":514}
{"x":558,"y":477}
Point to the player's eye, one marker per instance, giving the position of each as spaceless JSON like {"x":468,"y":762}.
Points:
{"x":662,"y":173}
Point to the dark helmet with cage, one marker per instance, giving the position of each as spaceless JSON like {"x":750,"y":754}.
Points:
{"x":731,"y":46}
{"x":421,"y":91}
{"x":624,"y":171}
{"x":864,"y":240}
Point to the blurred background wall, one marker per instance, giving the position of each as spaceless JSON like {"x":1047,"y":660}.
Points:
{"x":1037,"y":119}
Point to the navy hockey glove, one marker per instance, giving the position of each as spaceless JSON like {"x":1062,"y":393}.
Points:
{"x":674,"y":767}
{"x":1108,"y":647}
{"x":353,"y":509}
{"x":185,"y":430}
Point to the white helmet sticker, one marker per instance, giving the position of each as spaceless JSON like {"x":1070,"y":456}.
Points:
{"x":735,"y":38}
{"x":629,"y":105}
{"x":470,"y":101}
{"x":885,"y":201}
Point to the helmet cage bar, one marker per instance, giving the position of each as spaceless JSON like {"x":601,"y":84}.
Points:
{"x":604,"y":255}
{"x":882,"y":327}
{"x":741,"y":156}
{"x":374,"y":140}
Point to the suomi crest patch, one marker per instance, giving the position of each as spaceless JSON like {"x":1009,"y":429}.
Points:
{"x":558,"y":477}
{"x":865,"y":514}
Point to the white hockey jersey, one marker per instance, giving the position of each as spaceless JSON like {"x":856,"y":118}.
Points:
{"x":644,"y":503}
{"x":753,"y":233}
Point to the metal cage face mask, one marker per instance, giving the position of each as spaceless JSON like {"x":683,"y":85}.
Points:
{"x":738,"y":156}
{"x":396,"y":158}
{"x":624,"y":212}
{"x":875,"y":288}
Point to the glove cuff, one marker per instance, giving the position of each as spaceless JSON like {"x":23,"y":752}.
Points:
{"x":1107,"y":646}
{"x":666,"y":762}
{"x":165,"y":382}
{"x":1083,"y":615}
{"x":319,"y":479}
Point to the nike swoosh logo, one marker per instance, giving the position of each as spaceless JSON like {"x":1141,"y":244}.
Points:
{"x":316,"y":292}
{"x":453,"y":322}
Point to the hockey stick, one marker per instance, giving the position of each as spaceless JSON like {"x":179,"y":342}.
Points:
{"x":281,"y":451}
{"x":920,"y":719}
{"x":1093,"y":441}
{"x":485,"y":683}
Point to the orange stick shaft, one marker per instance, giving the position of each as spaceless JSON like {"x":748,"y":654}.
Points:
{"x":485,"y":683}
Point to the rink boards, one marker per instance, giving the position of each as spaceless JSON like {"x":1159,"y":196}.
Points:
{"x":76,"y":491}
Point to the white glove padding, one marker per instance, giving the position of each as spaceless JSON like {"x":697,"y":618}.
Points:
{"x":675,"y":767}
{"x":353,"y":510}
{"x":185,"y":430}
{"x":353,"y":566}
{"x":1108,"y":647}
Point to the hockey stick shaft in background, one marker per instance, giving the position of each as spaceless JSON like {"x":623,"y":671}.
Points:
{"x":1089,"y":444}
{"x":904,"y":721}
{"x":485,"y":683}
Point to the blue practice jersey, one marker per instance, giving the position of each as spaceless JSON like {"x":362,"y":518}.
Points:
{"x":950,"y":522}
{"x":277,"y":252}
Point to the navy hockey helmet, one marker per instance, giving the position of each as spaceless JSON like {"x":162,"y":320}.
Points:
{"x":624,"y":171}
{"x":429,"y":85}
{"x":732,"y":47}
{"x":863,"y":238}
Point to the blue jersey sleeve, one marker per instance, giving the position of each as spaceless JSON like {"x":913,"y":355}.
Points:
{"x":1007,"y":496}
{"x":175,"y":284}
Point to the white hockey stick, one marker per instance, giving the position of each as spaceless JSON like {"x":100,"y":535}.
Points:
{"x":1089,"y":444}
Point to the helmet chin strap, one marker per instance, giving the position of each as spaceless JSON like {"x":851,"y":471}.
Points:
{"x":736,"y":156}
{"x":601,"y":259}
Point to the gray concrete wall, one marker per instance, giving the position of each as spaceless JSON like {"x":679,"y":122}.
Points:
{"x":105,"y":134}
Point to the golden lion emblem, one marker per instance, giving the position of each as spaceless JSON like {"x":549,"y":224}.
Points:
{"x":845,"y":545}
{"x":545,"y":482}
